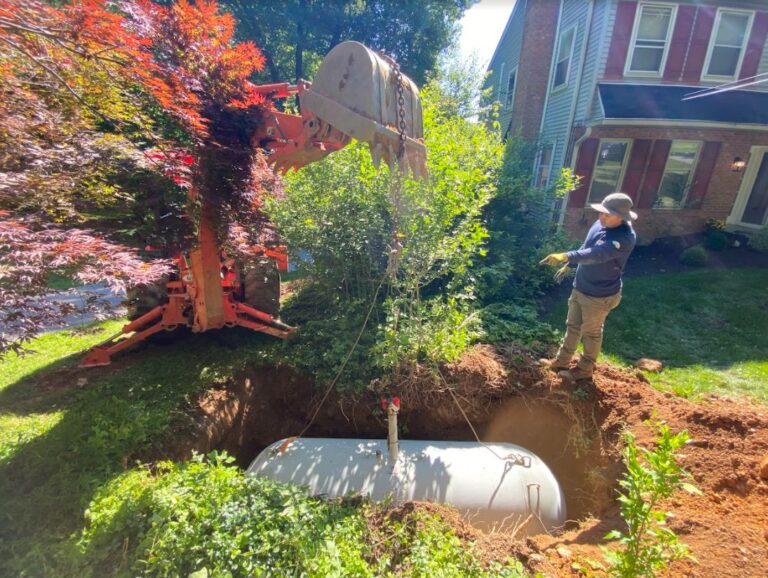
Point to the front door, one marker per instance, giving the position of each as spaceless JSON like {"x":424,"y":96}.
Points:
{"x":751,"y":207}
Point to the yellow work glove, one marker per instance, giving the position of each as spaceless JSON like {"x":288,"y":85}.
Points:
{"x":554,"y":259}
{"x":562,"y":273}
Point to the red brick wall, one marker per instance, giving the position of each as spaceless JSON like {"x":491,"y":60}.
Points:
{"x":716,"y":203}
{"x":533,"y":69}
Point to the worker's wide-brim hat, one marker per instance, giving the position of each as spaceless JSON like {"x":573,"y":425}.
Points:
{"x":617,"y":204}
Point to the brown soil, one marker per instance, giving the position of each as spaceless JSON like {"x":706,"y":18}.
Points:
{"x":576,"y":431}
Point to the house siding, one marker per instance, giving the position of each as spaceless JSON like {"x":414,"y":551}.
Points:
{"x":595,"y":49}
{"x":561,"y":118}
{"x":556,"y":120}
{"x":612,"y":7}
{"x":507,"y":54}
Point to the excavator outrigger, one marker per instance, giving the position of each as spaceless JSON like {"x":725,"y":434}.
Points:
{"x":356,"y":94}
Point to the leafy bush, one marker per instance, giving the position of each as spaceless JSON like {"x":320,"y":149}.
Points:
{"x":759,"y":240}
{"x":366,"y":228}
{"x":652,"y":475}
{"x":208,"y":519}
{"x":503,"y":322}
{"x":433,"y":330}
{"x":521,"y":229}
{"x":695,"y":256}
{"x":328,"y":328}
{"x":715,"y":240}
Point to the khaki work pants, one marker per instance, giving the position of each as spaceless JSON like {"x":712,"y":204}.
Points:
{"x":586,"y":317}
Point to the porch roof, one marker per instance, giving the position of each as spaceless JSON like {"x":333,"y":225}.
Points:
{"x":664,"y":101}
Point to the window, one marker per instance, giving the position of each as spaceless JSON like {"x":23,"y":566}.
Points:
{"x":650,"y":39}
{"x":726,"y":46}
{"x":511,"y":87}
{"x":544,"y":167}
{"x":564,"y":53}
{"x":677,"y":174}
{"x":609,"y":168}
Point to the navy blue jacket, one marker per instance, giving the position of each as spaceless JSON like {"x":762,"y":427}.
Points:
{"x":601,"y":259}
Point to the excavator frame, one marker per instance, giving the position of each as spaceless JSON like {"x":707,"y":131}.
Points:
{"x":202,"y":297}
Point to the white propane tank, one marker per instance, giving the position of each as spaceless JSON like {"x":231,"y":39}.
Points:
{"x":508,"y":488}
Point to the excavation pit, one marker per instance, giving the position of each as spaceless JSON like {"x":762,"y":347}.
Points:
{"x":575,"y":430}
{"x":271,"y":403}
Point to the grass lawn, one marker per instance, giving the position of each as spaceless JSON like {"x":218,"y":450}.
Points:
{"x":710,"y":328}
{"x":62,"y":438}
{"x":68,"y":443}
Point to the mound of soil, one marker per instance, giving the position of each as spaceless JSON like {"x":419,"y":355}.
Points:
{"x":503,"y":395}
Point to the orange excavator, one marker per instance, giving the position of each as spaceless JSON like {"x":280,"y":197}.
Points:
{"x":356,"y":94}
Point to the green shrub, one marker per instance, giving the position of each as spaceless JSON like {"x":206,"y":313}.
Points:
{"x":521,"y":229}
{"x":364,"y":227}
{"x":648,"y":545}
{"x":715,"y":240}
{"x":328,"y":328}
{"x":206,"y":518}
{"x":759,"y":240}
{"x":504,"y":322}
{"x":695,"y":256}
{"x":431,"y":330}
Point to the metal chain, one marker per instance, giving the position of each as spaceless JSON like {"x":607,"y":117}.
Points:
{"x":400,"y":102}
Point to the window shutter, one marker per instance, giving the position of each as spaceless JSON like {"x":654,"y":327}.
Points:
{"x":636,"y":167}
{"x":755,"y":46}
{"x":703,"y":173}
{"x":654,"y":173}
{"x":702,"y":29}
{"x":681,"y":37}
{"x":622,"y":34}
{"x":585,"y":164}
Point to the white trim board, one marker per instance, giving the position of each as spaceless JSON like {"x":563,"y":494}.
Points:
{"x":678,"y":124}
{"x":756,"y":156}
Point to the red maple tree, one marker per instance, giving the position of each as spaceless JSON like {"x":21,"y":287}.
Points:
{"x":168,"y":79}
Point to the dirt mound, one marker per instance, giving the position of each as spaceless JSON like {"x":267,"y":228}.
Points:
{"x":576,"y":430}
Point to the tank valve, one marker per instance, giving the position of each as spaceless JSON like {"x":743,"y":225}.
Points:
{"x":391,"y":406}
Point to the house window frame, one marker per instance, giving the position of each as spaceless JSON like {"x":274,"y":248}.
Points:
{"x":688,"y":184}
{"x":540,"y":165}
{"x":510,"y":102}
{"x":622,"y":172}
{"x":564,"y":34}
{"x":711,"y":47}
{"x":501,"y":81}
{"x":667,"y":41}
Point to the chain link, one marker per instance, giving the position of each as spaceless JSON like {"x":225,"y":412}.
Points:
{"x":400,"y":103}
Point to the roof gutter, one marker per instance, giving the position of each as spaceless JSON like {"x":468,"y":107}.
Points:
{"x":670,"y":123}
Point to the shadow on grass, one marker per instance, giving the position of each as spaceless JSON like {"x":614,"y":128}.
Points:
{"x":48,"y":481}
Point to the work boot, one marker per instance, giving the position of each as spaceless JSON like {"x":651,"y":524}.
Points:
{"x":574,"y":375}
{"x":553,"y":364}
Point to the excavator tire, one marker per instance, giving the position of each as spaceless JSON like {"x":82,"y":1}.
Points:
{"x":261,"y":286}
{"x":143,"y":298}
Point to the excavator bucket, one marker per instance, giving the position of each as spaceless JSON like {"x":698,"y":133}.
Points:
{"x":363,"y":95}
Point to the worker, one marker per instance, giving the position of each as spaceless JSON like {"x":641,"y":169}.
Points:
{"x":597,"y":287}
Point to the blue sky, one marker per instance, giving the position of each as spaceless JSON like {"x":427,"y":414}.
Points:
{"x":482,"y":27}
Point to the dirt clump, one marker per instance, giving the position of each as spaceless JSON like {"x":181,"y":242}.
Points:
{"x":575,"y":428}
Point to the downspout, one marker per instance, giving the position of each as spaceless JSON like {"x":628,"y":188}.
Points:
{"x":576,"y":145}
{"x":572,"y":117}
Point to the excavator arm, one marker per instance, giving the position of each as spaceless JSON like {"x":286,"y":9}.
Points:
{"x":357,"y":94}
